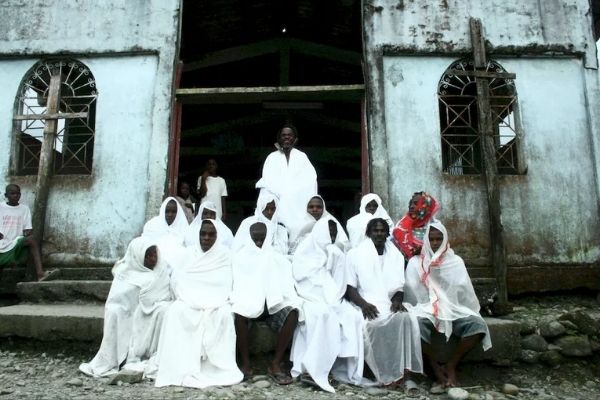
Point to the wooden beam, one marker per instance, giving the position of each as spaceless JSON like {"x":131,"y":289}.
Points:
{"x":486,"y":131}
{"x":483,"y":74}
{"x":337,"y":152}
{"x":30,"y":117}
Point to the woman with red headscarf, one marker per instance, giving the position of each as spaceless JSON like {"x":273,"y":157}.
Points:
{"x":409,"y":231}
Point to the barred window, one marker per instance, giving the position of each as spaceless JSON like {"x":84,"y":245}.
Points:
{"x":459,"y":121}
{"x":76,"y":116}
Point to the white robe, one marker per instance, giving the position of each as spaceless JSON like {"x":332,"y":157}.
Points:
{"x":332,"y":330}
{"x":357,"y":225}
{"x":197,"y":346}
{"x":438,"y":286}
{"x":392,"y":340}
{"x":169,"y":238}
{"x":225,"y":237}
{"x":290,"y":181}
{"x":133,"y":313}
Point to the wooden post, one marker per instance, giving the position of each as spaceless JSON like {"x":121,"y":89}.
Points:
{"x":42,"y":187}
{"x":486,"y":131}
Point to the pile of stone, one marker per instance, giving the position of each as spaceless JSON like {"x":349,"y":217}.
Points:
{"x":551,"y":340}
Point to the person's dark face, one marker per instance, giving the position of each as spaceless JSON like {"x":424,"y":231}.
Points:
{"x":258,"y":233}
{"x":379,"y":234}
{"x":211,"y":167}
{"x":287,"y":138}
{"x":270,"y":210}
{"x":208,"y":214}
{"x":333,"y":231}
{"x":13,"y":195}
{"x":435,"y":239}
{"x":170,"y":212}
{"x":315,"y":208}
{"x":371,"y":207}
{"x":150,"y":257}
{"x":412,"y":206}
{"x":184,"y":190}
{"x":208,"y":236}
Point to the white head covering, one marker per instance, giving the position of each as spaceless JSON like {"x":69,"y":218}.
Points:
{"x":357,"y":225}
{"x":225,"y":236}
{"x":131,"y":267}
{"x":157,"y":227}
{"x":438,"y":285}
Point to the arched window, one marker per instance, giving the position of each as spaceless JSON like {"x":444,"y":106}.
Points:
{"x":75,"y":116}
{"x":459,"y":121}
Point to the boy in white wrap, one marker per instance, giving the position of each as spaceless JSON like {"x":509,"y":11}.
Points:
{"x":197,"y":346}
{"x":138,"y":297}
{"x":375,"y":285}
{"x":330,"y":338}
{"x":441,"y":294}
{"x":263,"y":289}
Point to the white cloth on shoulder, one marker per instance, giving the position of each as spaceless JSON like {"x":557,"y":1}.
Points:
{"x":392,"y":340}
{"x":133,"y":312}
{"x":279,"y":233}
{"x":330,"y":339}
{"x":262,"y":276}
{"x":438,"y":286}
{"x":169,"y":238}
{"x":304,"y":228}
{"x":225,"y":236}
{"x":357,"y":225}
{"x":197,"y":346}
{"x":291,"y":181}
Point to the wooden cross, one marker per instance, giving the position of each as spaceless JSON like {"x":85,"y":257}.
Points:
{"x":51,"y":118}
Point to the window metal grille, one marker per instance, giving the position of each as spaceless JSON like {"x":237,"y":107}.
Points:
{"x":459,"y":119}
{"x":74,"y":136}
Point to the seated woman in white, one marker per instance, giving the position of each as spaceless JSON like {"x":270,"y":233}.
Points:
{"x":315,"y":210}
{"x":375,"y":286}
{"x":208,"y":210}
{"x":197,"y":345}
{"x":168,"y":229}
{"x":330,"y":338}
{"x":265,"y":212}
{"x":370,"y":207}
{"x":138,"y":297}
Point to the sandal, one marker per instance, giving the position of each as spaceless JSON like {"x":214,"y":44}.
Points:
{"x":280,"y":378}
{"x":437,"y":388}
{"x":308,"y":380}
{"x":48,"y":274}
{"x":411,"y":388}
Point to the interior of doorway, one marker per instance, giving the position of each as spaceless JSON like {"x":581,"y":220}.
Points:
{"x":304,"y":43}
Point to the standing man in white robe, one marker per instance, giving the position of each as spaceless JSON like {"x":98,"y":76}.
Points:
{"x":138,"y":297}
{"x":375,"y":286}
{"x":330,"y":338}
{"x":289,"y":174}
{"x":197,"y":346}
{"x":439,"y":291}
{"x":263,"y":289}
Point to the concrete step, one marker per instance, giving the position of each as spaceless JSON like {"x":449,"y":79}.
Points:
{"x":9,"y":277}
{"x":82,"y":274}
{"x":53,"y":322}
{"x":63,"y":291}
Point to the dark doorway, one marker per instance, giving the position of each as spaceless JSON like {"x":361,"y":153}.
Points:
{"x":250,"y":66}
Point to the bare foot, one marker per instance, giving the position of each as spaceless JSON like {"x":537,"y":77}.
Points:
{"x":450,"y":376}
{"x":440,"y":373}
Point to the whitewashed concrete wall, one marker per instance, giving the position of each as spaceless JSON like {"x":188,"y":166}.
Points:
{"x":551,"y":213}
{"x":130,"y":47}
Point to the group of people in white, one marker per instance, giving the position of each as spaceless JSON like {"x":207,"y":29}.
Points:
{"x":184,"y":295}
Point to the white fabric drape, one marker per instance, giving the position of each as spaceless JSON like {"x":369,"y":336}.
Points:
{"x":225,"y":236}
{"x":169,"y":238}
{"x":332,"y":329}
{"x":291,"y":181}
{"x":392,"y":341}
{"x":197,"y":346}
{"x":133,"y":312}
{"x":438,"y":286}
{"x":357,"y":225}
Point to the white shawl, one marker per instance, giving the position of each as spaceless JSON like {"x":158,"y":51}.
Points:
{"x":169,"y":238}
{"x":439,"y":288}
{"x":357,"y":225}
{"x":225,"y":237}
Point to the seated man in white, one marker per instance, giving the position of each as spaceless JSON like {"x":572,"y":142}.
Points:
{"x":197,"y":345}
{"x":263,"y":289}
{"x":330,"y":338}
{"x":441,"y":294}
{"x":375,"y":285}
{"x":168,"y":229}
{"x":266,"y":212}
{"x":208,"y":210}
{"x":138,"y":298}
{"x":370,"y":207}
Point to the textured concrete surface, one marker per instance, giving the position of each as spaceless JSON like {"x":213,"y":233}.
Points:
{"x":63,"y":291}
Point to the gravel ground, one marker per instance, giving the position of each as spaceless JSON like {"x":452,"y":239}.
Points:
{"x":37,"y":370}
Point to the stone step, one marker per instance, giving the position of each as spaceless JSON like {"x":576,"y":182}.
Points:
{"x":78,"y":291}
{"x":82,"y":322}
{"x":82,"y":274}
{"x":9,"y":277}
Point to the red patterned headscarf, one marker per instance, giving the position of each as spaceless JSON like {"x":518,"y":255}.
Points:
{"x":409,"y":231}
